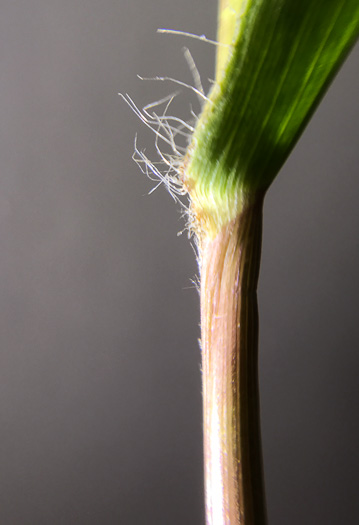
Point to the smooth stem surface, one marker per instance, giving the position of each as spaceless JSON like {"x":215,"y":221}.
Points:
{"x":229,"y":321}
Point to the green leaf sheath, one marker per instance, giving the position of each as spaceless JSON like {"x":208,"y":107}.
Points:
{"x":285,"y":54}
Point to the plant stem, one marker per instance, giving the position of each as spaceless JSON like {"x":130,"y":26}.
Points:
{"x":229,"y":322}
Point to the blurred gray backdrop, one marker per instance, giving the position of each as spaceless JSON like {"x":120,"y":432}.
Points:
{"x":100,"y":392}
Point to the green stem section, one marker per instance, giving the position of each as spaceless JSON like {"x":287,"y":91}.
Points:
{"x":229,"y":318}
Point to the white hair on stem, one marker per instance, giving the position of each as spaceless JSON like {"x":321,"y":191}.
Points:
{"x":193,"y":68}
{"x":202,"y":38}
{"x":169,"y":170}
{"x":151,"y":124}
{"x":154,"y":174}
{"x":180,"y":83}
{"x":170,"y":176}
{"x":168,"y":99}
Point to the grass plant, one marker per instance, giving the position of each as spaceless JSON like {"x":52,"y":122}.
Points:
{"x":275,"y":60}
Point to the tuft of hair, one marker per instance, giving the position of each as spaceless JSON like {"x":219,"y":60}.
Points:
{"x":173,"y":135}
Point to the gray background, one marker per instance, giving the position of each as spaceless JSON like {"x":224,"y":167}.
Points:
{"x":100,"y":394}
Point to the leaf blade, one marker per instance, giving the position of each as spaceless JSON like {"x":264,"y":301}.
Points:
{"x":283,"y":60}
